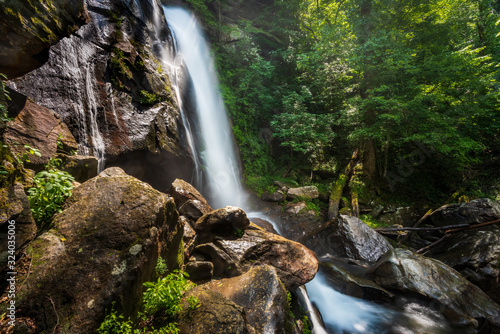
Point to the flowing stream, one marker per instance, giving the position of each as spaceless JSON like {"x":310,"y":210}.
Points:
{"x":218,"y":162}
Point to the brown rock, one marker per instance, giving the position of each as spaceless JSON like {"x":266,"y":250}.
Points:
{"x":37,"y":127}
{"x":103,"y":248}
{"x":294,"y":263}
{"x":182,"y":192}
{"x":215,"y":315}
{"x":82,"y":168}
{"x":261,"y":295}
{"x":224,"y":220}
{"x":15,"y":215}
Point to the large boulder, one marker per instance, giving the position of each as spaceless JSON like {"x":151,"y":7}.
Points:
{"x":261,"y":295}
{"x":349,"y":237}
{"x":37,"y":127}
{"x":403,"y":271}
{"x":475,"y":254}
{"x":29,"y":28}
{"x":294,"y":263}
{"x":478,"y":211}
{"x":215,"y":315}
{"x":103,"y":247}
{"x":15,"y":220}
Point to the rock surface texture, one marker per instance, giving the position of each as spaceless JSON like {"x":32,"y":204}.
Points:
{"x":109,"y":85}
{"x":29,"y":28}
{"x":103,"y":246}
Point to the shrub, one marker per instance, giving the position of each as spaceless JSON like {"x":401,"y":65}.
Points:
{"x":46,"y":198}
{"x":165,"y":295}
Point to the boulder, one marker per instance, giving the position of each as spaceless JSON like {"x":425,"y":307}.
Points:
{"x":199,"y":270}
{"x":261,"y":295}
{"x":223,"y":221}
{"x":264,"y":224}
{"x":349,"y":237}
{"x":351,"y":280}
{"x":37,"y":127}
{"x":309,"y":192}
{"x":294,"y":263}
{"x":295,"y":208}
{"x":104,"y":246}
{"x":82,"y":168}
{"x":478,"y":211}
{"x":407,"y":272}
{"x":183,"y":192}
{"x":277,"y":196}
{"x":29,"y":28}
{"x":15,"y":215}
{"x":215,"y":315}
{"x":475,"y":255}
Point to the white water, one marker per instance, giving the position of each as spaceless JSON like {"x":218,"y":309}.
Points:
{"x":216,"y":146}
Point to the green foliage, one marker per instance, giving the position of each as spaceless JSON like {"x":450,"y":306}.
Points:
{"x":148,"y":98}
{"x":115,"y":324}
{"x":4,"y":98}
{"x":24,"y":156}
{"x":372,"y":222}
{"x":161,"y":266}
{"x":51,"y":188}
{"x":165,"y":294}
{"x":162,"y":298}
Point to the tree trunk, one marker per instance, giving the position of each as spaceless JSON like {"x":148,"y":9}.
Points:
{"x":338,"y":187}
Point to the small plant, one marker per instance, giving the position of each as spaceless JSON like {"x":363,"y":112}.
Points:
{"x":161,"y":266}
{"x":239,"y":232}
{"x":148,"y":98}
{"x":46,"y":198}
{"x":4,"y":98}
{"x":28,"y":151}
{"x":165,"y":295}
{"x":115,"y":324}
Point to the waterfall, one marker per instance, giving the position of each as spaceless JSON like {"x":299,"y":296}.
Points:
{"x":215,"y":141}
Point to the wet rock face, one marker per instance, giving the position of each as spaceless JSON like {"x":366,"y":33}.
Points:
{"x":103,"y":247}
{"x":404,"y":271}
{"x":261,"y":295}
{"x":349,"y":237}
{"x":109,"y":87}
{"x":28,"y":29}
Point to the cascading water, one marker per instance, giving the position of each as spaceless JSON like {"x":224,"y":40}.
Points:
{"x":340,"y":313}
{"x":216,"y":145}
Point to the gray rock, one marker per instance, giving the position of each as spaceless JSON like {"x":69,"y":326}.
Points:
{"x":277,"y":196}
{"x":475,"y":255}
{"x":404,"y":271}
{"x":474,"y":212}
{"x":350,"y":237}
{"x":308,"y":192}
{"x":82,"y":168}
{"x":261,"y":295}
